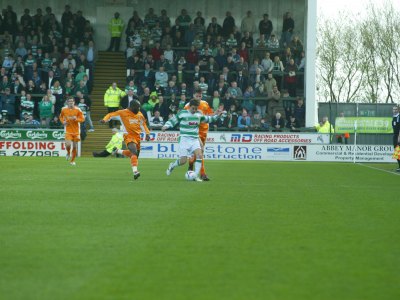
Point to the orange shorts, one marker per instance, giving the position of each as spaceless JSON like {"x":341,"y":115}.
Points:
{"x":131,"y":138}
{"x":203,"y":137}
{"x":74,"y":137}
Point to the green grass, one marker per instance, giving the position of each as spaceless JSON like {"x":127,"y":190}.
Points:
{"x":258,"y":230}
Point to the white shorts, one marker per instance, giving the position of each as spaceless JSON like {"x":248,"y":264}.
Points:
{"x":187,"y":146}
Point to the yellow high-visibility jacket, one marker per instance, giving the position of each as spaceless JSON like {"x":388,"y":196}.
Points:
{"x":115,"y":142}
{"x":115,"y":26}
{"x":325,"y":128}
{"x":112,"y":97}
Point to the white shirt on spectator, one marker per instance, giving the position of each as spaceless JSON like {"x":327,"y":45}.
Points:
{"x":156,"y":122}
{"x":169,"y":55}
{"x":67,"y":61}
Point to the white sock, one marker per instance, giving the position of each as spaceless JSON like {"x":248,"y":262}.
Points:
{"x":119,"y":151}
{"x":197,"y":166}
{"x":176,"y":163}
{"x":134,"y":169}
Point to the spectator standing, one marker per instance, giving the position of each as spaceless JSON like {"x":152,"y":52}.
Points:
{"x":278,"y":71}
{"x":269,"y":83}
{"x":324,"y":126}
{"x":265,"y":26}
{"x":150,"y":19}
{"x":80,"y":22}
{"x":274,"y":101}
{"x":184,"y":19}
{"x":248,"y":23}
{"x":228,"y":24}
{"x":291,"y":78}
{"x":165,"y":21}
{"x":46,"y":110}
{"x":115,"y":26}
{"x":112,"y":98}
{"x":248,"y":102}
{"x":299,"y":111}
{"x":27,"y":104}
{"x":66,"y":17}
{"x":214,"y":29}
{"x":83,"y":99}
{"x":9,"y":105}
{"x":57,"y":92}
{"x":26,"y":20}
{"x":232,"y":118}
{"x":136,"y":21}
{"x":287,"y":29}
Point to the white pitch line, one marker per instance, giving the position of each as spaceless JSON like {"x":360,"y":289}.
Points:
{"x":390,"y":172}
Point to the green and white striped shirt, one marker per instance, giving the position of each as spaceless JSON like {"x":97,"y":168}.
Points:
{"x":27,"y":106}
{"x":189,"y":123}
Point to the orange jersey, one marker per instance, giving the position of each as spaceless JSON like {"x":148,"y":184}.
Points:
{"x":132,"y":123}
{"x":207,"y":111}
{"x":73,"y":116}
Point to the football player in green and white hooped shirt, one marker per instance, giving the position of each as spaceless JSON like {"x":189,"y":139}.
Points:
{"x":189,"y":142}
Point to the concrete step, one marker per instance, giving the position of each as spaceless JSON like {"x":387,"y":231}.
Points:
{"x":110,"y":67}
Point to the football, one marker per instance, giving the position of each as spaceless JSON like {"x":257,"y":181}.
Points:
{"x":190,"y":175}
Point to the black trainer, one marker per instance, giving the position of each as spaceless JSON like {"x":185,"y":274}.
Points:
{"x":205,"y":177}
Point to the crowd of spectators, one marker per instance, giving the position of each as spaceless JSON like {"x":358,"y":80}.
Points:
{"x":244,"y":68}
{"x":249,"y":70}
{"x":43,"y":61}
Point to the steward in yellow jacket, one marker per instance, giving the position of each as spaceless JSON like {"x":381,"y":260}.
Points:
{"x":114,"y":143}
{"x":115,"y":27}
{"x":112,"y":99}
{"x":113,"y":96}
{"x":325,"y":126}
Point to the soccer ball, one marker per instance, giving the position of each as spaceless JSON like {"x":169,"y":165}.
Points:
{"x":190,"y":175}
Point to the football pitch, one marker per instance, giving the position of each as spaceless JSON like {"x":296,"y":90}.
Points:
{"x":257,"y":230}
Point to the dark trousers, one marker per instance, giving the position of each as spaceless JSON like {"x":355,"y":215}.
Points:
{"x":115,"y":41}
{"x":112,"y":123}
{"x":395,"y":138}
{"x":103,"y":153}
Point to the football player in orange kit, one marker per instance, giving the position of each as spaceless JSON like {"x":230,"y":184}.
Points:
{"x":205,"y":108}
{"x":132,"y":122}
{"x":71,"y":116}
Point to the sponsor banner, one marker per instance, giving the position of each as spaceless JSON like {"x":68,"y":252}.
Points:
{"x":212,"y":151}
{"x":246,"y":137}
{"x":31,"y":134}
{"x":33,"y":148}
{"x":364,"y":125}
{"x":286,"y":152}
{"x":344,"y":153}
